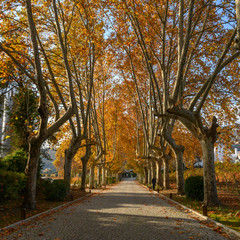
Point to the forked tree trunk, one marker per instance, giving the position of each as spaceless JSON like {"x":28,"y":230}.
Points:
{"x":91,"y":177}
{"x":210,"y":189}
{"x":31,"y":173}
{"x":98,"y":176}
{"x":166,"y":184}
{"x":159,"y":173}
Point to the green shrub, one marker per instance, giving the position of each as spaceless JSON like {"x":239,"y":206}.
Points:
{"x":3,"y":164}
{"x":56,"y":190}
{"x":194,"y":188}
{"x":16,"y":161}
{"x":12,"y":185}
{"x":134,"y":174}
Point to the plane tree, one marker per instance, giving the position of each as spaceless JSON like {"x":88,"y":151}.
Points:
{"x":173,"y":38}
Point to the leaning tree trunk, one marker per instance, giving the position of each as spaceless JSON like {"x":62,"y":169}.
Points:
{"x":31,"y":173}
{"x":166,"y":184}
{"x":210,"y":189}
{"x":159,"y":173}
{"x":145,"y":175}
{"x":91,"y":177}
{"x":179,"y":169}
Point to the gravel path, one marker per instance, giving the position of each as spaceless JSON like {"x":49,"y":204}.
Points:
{"x":126,"y":211}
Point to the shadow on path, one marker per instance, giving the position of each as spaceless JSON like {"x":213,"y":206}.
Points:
{"x":126,"y":211}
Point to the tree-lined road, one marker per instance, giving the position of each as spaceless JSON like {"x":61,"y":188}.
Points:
{"x":126,"y":211}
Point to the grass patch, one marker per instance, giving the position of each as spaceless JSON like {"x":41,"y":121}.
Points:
{"x":228,"y":214}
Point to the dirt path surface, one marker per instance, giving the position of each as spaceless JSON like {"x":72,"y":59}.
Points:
{"x":126,"y":211}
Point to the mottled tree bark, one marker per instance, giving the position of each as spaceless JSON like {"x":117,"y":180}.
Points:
{"x":237,"y":40}
{"x":210,"y":189}
{"x":179,"y":170}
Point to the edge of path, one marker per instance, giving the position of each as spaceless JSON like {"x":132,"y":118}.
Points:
{"x":12,"y":227}
{"x":174,"y":203}
{"x":45,"y":213}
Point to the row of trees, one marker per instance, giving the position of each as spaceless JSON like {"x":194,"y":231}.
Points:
{"x":113,"y":74}
{"x":175,"y":53}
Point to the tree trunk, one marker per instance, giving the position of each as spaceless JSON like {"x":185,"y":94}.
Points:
{"x":210,"y":190}
{"x":237,"y":40}
{"x":31,"y":173}
{"x":91,"y":177}
{"x":166,"y":184}
{"x":153,"y":165}
{"x":140,"y":177}
{"x":69,"y":155}
{"x":84,"y":174}
{"x":149,"y":173}
{"x":179,"y":170}
{"x":159,"y":173}
{"x":67,"y":168}
{"x":104,"y":176}
{"x":98,"y":176}
{"x":145,"y":175}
